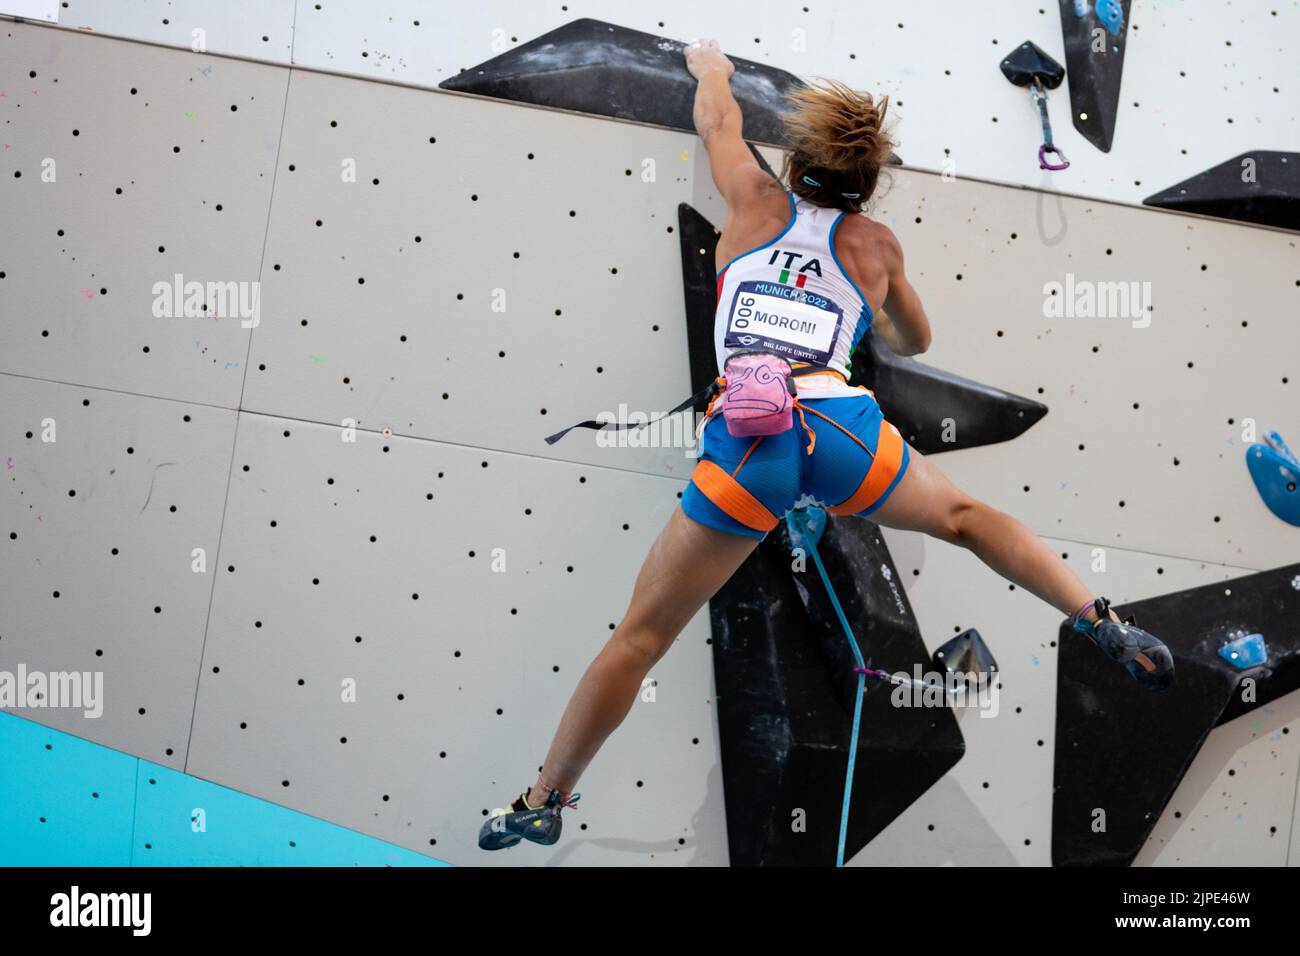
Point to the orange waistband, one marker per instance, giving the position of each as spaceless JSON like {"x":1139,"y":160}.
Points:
{"x":815,"y":370}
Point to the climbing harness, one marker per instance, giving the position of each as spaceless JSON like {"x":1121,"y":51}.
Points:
{"x":705,"y":393}
{"x":757,"y":395}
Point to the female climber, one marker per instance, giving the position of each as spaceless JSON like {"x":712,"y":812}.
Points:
{"x":803,"y":276}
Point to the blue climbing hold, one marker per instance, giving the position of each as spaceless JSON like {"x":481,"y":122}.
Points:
{"x":1276,"y":473}
{"x":1245,"y":652}
{"x":1111,"y":15}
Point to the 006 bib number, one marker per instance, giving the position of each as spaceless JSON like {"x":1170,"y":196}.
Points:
{"x":795,"y":323}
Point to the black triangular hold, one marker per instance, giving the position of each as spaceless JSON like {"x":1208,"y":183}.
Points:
{"x":1262,"y":186}
{"x":1030,"y":62}
{"x":699,"y":240}
{"x":590,"y":66}
{"x":785,"y":684}
{"x":595,"y":67}
{"x":966,"y":654}
{"x":1122,"y":749}
{"x":1095,"y":38}
{"x":916,"y":398}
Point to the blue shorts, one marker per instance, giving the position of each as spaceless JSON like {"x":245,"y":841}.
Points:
{"x":746,"y":485}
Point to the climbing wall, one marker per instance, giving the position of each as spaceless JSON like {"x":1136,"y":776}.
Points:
{"x":452,"y":575}
{"x":1200,"y":83}
{"x":326,"y":560}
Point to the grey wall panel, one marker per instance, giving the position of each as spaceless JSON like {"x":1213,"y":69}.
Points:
{"x":250,"y":28}
{"x":994,"y":808}
{"x":416,"y":42}
{"x":1236,"y":805}
{"x":980,"y":256}
{"x":77,"y":295}
{"x":458,"y":691}
{"x":1158,"y":410}
{"x":108,"y":516}
{"x":1293,"y":846}
{"x":540,"y":214}
{"x":1200,"y":84}
{"x":985,"y":294}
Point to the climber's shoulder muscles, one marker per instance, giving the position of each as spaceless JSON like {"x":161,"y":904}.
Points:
{"x":757,"y":208}
{"x":903,"y":308}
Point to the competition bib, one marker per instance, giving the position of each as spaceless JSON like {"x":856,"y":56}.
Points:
{"x":793,"y":322}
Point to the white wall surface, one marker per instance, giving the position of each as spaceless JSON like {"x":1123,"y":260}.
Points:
{"x":574,"y":520}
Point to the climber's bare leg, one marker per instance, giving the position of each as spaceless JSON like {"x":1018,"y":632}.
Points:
{"x":686,"y":566}
{"x":926,"y":500}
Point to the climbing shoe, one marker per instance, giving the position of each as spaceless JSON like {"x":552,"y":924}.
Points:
{"x":1143,"y":655}
{"x":504,"y":828}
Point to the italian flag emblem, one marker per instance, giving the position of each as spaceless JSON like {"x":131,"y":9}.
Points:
{"x":798,"y":279}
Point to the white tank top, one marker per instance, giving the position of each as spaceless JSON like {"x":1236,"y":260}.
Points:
{"x":793,"y":297}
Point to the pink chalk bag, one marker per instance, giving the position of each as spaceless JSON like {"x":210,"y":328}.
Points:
{"x":756,"y":395}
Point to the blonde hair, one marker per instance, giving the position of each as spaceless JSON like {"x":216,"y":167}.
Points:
{"x":837,"y":138}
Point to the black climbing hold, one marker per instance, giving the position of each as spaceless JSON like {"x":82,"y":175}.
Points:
{"x":595,"y":67}
{"x":1262,"y":186}
{"x":1095,"y":38}
{"x":916,"y":398}
{"x":1121,"y":749}
{"x":699,"y":242}
{"x":937,"y":410}
{"x":1030,"y":62}
{"x":966,"y":654}
{"x":784,"y":673}
{"x":590,"y":66}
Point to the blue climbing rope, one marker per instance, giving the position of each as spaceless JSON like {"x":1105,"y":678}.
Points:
{"x":861,"y":668}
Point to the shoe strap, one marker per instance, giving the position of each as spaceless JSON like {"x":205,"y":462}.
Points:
{"x":1100,"y":605}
